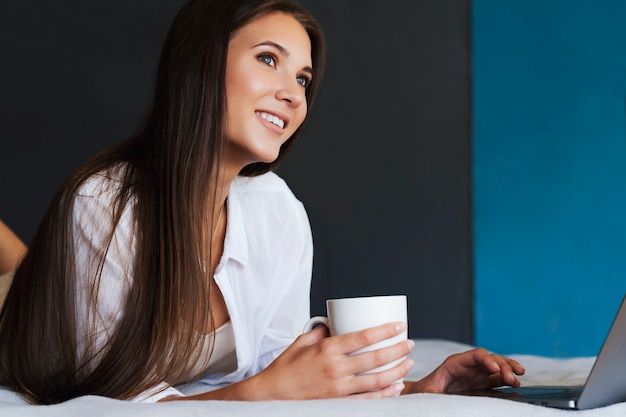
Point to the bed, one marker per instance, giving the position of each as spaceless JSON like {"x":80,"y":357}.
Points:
{"x":427,"y":354}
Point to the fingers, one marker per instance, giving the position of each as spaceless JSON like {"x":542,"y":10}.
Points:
{"x":476,"y":369}
{"x":370,"y":360}
{"x":498,"y":363}
{"x":342,"y":363}
{"x":392,"y":390}
{"x":383,"y":380}
{"x":509,"y":368}
{"x":354,"y":341}
{"x":506,"y":366}
{"x":387,"y":364}
{"x":517,"y":368}
{"x":381,"y":384}
{"x":313,"y":336}
{"x":374,"y":371}
{"x":503,"y":369}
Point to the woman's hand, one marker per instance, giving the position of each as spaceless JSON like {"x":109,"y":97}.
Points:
{"x":318,"y":366}
{"x":474,"y":369}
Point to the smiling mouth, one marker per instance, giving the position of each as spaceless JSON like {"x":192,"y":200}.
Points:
{"x":272,"y":118}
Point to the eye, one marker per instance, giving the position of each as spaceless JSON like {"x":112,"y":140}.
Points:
{"x":267,"y":59}
{"x":303,"y":80}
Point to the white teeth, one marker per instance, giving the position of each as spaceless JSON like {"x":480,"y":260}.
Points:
{"x":271,"y":118}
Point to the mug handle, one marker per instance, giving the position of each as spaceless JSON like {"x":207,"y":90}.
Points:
{"x":313,"y":322}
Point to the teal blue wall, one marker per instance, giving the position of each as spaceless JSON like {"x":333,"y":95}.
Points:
{"x":549,"y":173}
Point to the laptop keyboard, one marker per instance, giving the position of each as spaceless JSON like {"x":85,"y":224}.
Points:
{"x":561,"y":394}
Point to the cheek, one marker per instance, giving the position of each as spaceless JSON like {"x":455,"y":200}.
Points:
{"x":243,"y":85}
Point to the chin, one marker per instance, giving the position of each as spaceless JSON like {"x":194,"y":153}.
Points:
{"x":254,"y":154}
{"x":268,"y":157}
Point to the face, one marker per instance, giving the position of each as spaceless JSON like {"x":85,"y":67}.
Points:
{"x":268,"y":67}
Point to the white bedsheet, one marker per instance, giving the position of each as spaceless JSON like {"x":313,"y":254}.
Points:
{"x":427,"y":354}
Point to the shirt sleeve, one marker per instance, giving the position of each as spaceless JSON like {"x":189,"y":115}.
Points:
{"x":293,"y":309}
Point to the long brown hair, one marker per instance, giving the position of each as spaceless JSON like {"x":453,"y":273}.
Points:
{"x":162,"y":174}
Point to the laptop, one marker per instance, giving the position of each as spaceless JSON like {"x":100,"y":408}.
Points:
{"x":605,"y":385}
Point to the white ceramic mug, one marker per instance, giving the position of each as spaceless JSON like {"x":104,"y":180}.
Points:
{"x":346,"y":315}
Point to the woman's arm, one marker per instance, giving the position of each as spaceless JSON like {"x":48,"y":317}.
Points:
{"x":11,"y":249}
{"x":316,"y":366}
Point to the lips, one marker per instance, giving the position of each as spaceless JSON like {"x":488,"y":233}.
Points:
{"x":272,"y":118}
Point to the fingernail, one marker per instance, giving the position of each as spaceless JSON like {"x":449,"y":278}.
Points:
{"x":397,"y":388}
{"x":400,"y":327}
{"x":410,"y":344}
{"x":409,"y":364}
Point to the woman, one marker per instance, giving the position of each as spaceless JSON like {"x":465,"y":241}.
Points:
{"x":178,"y":255}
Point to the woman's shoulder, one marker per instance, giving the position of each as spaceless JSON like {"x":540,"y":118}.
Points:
{"x":263,"y":184}
{"x":99,"y":194}
{"x":104,"y":182}
{"x":267,"y":195}
{"x":266,"y":208}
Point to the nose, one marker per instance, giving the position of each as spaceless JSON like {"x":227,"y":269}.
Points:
{"x":292,"y":93}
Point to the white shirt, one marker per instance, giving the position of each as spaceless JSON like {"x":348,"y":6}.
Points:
{"x":264,"y":273}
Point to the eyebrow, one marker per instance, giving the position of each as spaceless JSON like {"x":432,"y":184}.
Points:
{"x":284,"y":52}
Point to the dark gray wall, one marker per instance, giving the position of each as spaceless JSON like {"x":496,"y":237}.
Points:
{"x":75,"y":76}
{"x":383,"y":166}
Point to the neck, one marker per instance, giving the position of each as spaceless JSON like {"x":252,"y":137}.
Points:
{"x":221,"y":193}
{"x":224,"y":179}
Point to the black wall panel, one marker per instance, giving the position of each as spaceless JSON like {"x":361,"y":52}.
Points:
{"x":383,"y":168}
